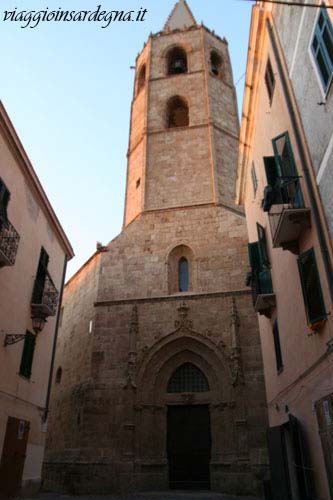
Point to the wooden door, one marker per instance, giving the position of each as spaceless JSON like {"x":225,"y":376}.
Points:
{"x":189,"y":447}
{"x":13,"y":456}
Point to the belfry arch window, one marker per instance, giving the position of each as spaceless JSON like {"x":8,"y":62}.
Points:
{"x":187,"y":378}
{"x":177,"y":113}
{"x":216,"y":64}
{"x":141,"y":78}
{"x":183,"y":277}
{"x":177,"y":61}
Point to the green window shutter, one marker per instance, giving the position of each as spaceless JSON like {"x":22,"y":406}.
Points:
{"x":277,"y":346}
{"x":284,"y":156}
{"x":265,"y":281}
{"x":4,"y":200}
{"x":271,"y":170}
{"x":254,"y":257}
{"x":311,"y":287}
{"x":262,"y":245}
{"x":27,"y":354}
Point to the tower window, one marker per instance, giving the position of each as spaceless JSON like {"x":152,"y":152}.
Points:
{"x":216,"y":64}
{"x":177,"y":61}
{"x":183,"y":274}
{"x":141,"y":78}
{"x":188,"y":378}
{"x":177,"y":113}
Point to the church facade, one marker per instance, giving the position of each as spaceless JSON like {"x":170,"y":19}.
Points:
{"x":159,"y":378}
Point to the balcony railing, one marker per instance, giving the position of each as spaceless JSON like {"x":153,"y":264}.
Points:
{"x":44,"y":297}
{"x":263,"y":296}
{"x":9,"y":241}
{"x":288,"y":216}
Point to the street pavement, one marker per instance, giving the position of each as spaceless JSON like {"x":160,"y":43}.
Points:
{"x":168,"y":495}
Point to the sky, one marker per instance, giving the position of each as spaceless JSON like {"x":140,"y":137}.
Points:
{"x":67,"y":87}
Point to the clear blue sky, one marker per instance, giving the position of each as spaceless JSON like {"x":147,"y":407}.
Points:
{"x":67,"y":88}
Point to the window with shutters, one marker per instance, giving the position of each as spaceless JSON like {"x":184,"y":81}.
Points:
{"x":4,"y":200}
{"x":260,"y":278}
{"x":311,"y":288}
{"x":38,"y":290}
{"x":254,"y":178}
{"x":177,"y":112}
{"x":322,"y":48}
{"x":269,"y":80}
{"x":283,"y":185}
{"x":277,"y":347}
{"x":176,"y":61}
{"x":188,"y":378}
{"x":27,"y":355}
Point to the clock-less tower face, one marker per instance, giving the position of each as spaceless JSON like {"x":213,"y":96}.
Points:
{"x":184,"y":123}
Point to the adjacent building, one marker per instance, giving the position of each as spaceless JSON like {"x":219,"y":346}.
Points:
{"x":159,"y":379}
{"x":285,"y":183}
{"x":33,"y":254}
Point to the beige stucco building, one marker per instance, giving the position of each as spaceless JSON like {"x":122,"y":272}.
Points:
{"x":290,"y":246}
{"x":33,"y":255}
{"x":159,"y":378}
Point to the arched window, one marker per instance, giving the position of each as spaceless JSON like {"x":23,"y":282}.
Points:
{"x":141,"y":78}
{"x":177,"y":113}
{"x":177,"y":61}
{"x":188,"y":378}
{"x":183,"y":275}
{"x":216,"y":64}
{"x":59,"y":375}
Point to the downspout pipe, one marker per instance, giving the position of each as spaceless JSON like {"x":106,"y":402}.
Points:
{"x":302,"y":155}
{"x":49,"y":386}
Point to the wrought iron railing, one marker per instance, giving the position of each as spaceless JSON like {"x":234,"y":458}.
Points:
{"x":45,"y":295}
{"x":9,"y":241}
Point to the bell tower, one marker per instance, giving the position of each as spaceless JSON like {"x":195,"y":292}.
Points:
{"x":184,"y":124}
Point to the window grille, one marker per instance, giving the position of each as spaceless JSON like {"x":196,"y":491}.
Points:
{"x":322,"y":48}
{"x":188,"y":378}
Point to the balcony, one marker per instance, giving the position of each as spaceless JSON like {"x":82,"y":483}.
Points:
{"x":263,"y":296}
{"x":288,"y":218}
{"x":9,"y":241}
{"x":44,"y":298}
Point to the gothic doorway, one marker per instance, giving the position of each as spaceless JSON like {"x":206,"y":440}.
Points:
{"x":188,"y":446}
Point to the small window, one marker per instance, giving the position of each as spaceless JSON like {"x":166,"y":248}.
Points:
{"x":183,"y":274}
{"x":263,"y":246}
{"x":254,"y":178}
{"x":39,"y":285}
{"x":269,"y":80}
{"x":59,"y":375}
{"x":322,"y":48}
{"x":4,"y":200}
{"x":141,"y":78}
{"x":138,"y":182}
{"x":216,"y":64}
{"x":188,"y":378}
{"x":27,"y":354}
{"x":277,"y":347}
{"x":311,"y":287}
{"x":177,"y":61}
{"x":177,"y":113}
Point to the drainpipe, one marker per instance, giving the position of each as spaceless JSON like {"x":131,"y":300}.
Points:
{"x":302,"y":154}
{"x":48,"y":394}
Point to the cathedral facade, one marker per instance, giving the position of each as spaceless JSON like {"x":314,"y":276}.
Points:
{"x":159,"y":378}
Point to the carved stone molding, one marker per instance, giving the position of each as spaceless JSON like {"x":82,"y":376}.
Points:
{"x":223,"y":405}
{"x":132,"y":355}
{"x":151,"y":408}
{"x":182,"y":321}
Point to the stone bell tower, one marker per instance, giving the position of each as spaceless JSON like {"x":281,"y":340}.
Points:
{"x":159,"y":370}
{"x":184,"y":123}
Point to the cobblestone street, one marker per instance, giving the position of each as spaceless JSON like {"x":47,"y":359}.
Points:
{"x":168,"y":495}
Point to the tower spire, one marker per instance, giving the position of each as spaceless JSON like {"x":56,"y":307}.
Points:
{"x":180,"y":17}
